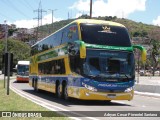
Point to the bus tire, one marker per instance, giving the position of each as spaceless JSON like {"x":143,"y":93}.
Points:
{"x":32,"y":82}
{"x":35,"y":86}
{"x":108,"y":101}
{"x":65,"y":93}
{"x":58,"y":91}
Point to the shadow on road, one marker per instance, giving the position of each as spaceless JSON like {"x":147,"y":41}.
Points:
{"x":72,"y":101}
{"x":52,"y":97}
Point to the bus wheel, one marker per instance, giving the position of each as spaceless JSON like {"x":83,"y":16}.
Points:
{"x":58,"y":91}
{"x":65,"y":93}
{"x":35,"y":86}
{"x":108,"y":101}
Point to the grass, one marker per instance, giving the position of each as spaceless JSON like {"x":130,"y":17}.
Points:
{"x":14,"y":102}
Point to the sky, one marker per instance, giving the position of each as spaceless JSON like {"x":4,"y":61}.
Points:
{"x":24,"y":13}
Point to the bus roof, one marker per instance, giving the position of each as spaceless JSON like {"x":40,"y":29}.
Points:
{"x":89,"y":21}
{"x":23,"y":62}
{"x":94,"y":21}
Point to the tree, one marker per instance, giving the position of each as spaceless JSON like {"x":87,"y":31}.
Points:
{"x":155,"y":53}
{"x":20,"y":50}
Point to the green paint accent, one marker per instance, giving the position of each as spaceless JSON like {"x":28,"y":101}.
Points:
{"x":143,"y":52}
{"x":139,"y":47}
{"x":109,"y":47}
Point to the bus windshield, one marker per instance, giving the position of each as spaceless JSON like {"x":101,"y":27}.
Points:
{"x":105,"y":35}
{"x":109,"y":65}
{"x":23,"y":70}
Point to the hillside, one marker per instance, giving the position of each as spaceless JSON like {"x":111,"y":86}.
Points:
{"x":136,"y":29}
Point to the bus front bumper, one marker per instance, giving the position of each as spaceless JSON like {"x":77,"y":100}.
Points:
{"x":22,"y":78}
{"x":85,"y":94}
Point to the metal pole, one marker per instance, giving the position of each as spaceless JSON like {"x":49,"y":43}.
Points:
{"x":8,"y":72}
{"x":52,"y":16}
{"x":6,"y":35}
{"x":52,"y":19}
{"x":90,"y":9}
{"x":138,"y":69}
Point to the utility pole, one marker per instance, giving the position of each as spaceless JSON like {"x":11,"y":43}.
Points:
{"x":52,"y":16}
{"x":90,"y":9}
{"x":39,"y":18}
{"x":68,"y":15}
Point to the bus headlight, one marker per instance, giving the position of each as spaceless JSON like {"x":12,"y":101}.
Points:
{"x":89,"y":87}
{"x":129,"y":89}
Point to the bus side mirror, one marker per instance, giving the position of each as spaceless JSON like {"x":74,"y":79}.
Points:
{"x":143,"y":52}
{"x":77,"y":47}
{"x":82,"y":50}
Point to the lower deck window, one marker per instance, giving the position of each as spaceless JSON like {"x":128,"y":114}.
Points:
{"x":52,"y":67}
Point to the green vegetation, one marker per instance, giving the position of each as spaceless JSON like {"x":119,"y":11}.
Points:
{"x":20,"y":50}
{"x":155,"y":52}
{"x":14,"y":102}
{"x":136,"y":29}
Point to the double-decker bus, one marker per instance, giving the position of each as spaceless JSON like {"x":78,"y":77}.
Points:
{"x":23,"y":71}
{"x":88,"y":60}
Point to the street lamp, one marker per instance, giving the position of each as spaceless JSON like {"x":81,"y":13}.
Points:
{"x":52,"y":15}
{"x":6,"y":34}
{"x":90,"y":9}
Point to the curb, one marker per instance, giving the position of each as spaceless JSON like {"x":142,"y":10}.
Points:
{"x":147,"y":88}
{"x":156,"y":95}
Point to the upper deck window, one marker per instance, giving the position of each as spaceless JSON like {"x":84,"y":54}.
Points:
{"x":105,"y":35}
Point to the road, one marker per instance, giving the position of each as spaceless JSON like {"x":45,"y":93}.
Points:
{"x":48,"y":100}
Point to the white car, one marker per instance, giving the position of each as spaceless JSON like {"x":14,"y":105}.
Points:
{"x":157,"y":72}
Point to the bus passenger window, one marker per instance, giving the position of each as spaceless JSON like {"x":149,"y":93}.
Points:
{"x":75,"y":64}
{"x":94,"y":62}
{"x":52,"y":67}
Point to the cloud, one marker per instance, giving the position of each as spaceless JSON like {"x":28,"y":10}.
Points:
{"x":81,"y":5}
{"x":117,"y":8}
{"x":156,"y":21}
{"x":25,"y":23}
{"x":47,"y":19}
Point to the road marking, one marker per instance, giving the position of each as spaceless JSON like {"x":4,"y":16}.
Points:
{"x":143,"y":106}
{"x":153,"y":95}
{"x":118,"y":102}
{"x":46,"y":105}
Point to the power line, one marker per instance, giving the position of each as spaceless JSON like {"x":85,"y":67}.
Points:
{"x":39,"y":17}
{"x":25,"y":4}
{"x":28,"y":4}
{"x":7,"y":17}
{"x":10,"y":4}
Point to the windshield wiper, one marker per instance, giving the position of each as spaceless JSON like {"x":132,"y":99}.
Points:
{"x":125,"y":75}
{"x":111,"y":72}
{"x":94,"y":76}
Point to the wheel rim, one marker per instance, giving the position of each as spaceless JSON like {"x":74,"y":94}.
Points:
{"x":36,"y":88}
{"x":58,"y":91}
{"x":65,"y":93}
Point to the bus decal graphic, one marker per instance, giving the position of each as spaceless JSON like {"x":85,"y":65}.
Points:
{"x":54,"y":53}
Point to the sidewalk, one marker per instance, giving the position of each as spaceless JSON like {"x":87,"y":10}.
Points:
{"x":11,"y":77}
{"x":148,"y":84}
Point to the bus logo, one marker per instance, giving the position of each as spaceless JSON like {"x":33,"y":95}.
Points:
{"x":106,"y":29}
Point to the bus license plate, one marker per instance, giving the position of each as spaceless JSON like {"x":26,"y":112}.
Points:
{"x":111,"y":95}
